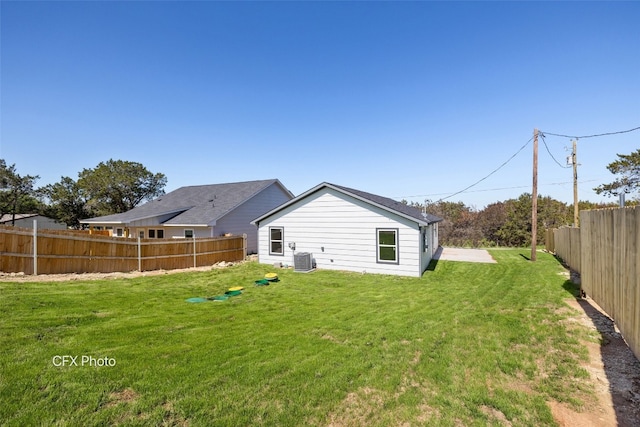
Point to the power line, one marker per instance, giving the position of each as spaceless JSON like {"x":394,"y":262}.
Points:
{"x":590,"y":136}
{"x":491,"y":173}
{"x":496,"y":189}
{"x":543,"y":134}
{"x":548,"y":151}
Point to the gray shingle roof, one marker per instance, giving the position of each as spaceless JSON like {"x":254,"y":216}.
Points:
{"x":9,"y":217}
{"x":192,"y":205}
{"x":393,"y":205}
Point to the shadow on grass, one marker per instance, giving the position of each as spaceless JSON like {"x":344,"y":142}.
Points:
{"x":434,"y":261}
{"x":621,"y":367}
{"x":572,"y":288}
{"x":432,"y":265}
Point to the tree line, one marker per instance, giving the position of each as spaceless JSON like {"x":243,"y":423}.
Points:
{"x":111,"y":187}
{"x":506,"y":223}
{"x":117,"y":186}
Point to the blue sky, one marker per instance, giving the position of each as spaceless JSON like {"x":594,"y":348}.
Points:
{"x":410,"y":100}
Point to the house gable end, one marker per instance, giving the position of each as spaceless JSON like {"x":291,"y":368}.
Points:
{"x":390,"y":205}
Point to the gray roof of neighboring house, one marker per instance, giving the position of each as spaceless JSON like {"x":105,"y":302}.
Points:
{"x":9,"y":217}
{"x":192,"y":205}
{"x":385,"y":203}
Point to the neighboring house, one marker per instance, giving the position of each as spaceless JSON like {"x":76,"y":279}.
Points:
{"x":199,"y":211}
{"x":26,"y":221}
{"x":347,"y":229}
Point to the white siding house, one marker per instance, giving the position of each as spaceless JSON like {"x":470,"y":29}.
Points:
{"x":347,"y":229}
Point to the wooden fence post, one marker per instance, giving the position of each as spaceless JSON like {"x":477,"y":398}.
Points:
{"x":195,"y":263}
{"x":35,"y":247}
{"x":244,"y":246}
{"x":139,"y":255}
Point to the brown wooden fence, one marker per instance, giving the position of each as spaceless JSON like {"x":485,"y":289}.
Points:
{"x":609,"y":264}
{"x":55,"y":252}
{"x":567,"y":246}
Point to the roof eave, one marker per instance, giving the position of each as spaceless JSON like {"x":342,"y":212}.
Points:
{"x":140,"y":218}
{"x":185,"y":225}
{"x":88,"y":221}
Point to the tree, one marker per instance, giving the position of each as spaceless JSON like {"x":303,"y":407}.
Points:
{"x":490,"y":220}
{"x":552,"y":214}
{"x":67,"y":202}
{"x":516,"y":230}
{"x":628,"y":166}
{"x":16,"y":191}
{"x":117,"y":186}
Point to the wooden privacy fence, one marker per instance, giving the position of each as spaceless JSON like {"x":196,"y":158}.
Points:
{"x":549,"y":240}
{"x":567,"y":246}
{"x":35,"y":251}
{"x":608,"y":244}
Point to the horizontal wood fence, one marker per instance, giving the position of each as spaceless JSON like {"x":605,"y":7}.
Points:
{"x":62,"y":251}
{"x":609,"y":264}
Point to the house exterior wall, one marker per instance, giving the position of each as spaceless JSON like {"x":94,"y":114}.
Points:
{"x":177,"y":232}
{"x":238,"y":221}
{"x":341,"y":233}
{"x":430,"y":239}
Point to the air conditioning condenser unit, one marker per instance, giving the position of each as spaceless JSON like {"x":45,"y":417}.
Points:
{"x":303,"y":262}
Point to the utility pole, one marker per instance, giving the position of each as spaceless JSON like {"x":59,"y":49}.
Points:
{"x":534,"y":198}
{"x":574,"y":160}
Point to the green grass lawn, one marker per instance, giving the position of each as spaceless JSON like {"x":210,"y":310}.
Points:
{"x":466,"y":344}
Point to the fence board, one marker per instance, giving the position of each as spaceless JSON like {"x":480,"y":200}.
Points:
{"x":80,"y":252}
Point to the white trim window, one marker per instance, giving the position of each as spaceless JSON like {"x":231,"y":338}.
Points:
{"x":387,"y":245}
{"x":188,"y":233}
{"x":276,"y":240}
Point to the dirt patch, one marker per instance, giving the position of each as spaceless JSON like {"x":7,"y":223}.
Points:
{"x":359,"y":408}
{"x":72,"y":277}
{"x":494,"y":414}
{"x":125,"y":396}
{"x":614,"y":373}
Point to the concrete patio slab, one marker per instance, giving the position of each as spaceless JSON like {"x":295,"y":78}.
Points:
{"x":465,"y":255}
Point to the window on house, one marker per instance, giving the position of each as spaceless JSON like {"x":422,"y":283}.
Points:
{"x":276,"y":241}
{"x":425,"y":239}
{"x":119,"y":232}
{"x":141,"y":234}
{"x":188,"y":234}
{"x":387,"y":245}
{"x":156,"y":234}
